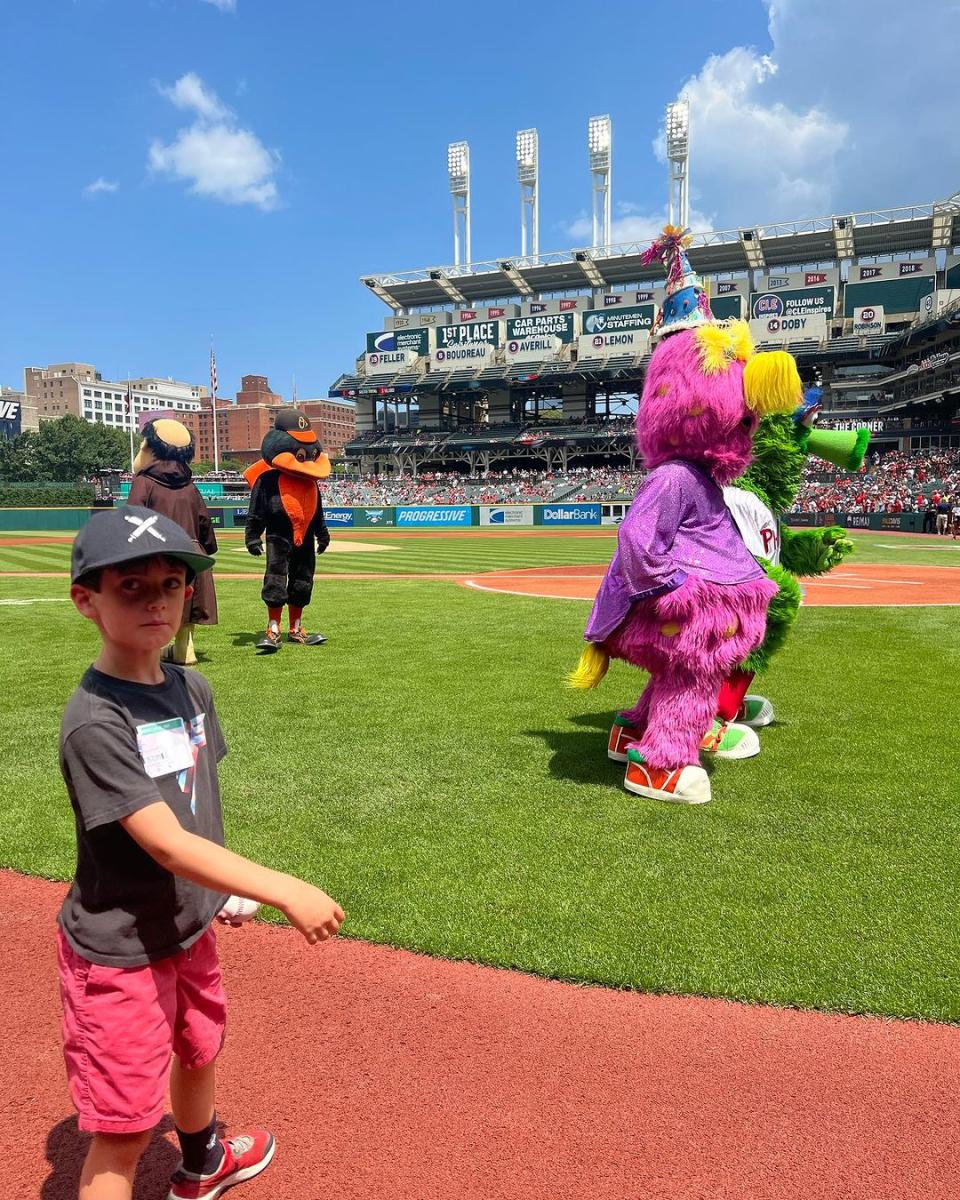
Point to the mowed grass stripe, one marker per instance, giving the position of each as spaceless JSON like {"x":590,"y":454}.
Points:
{"x":429,"y":769}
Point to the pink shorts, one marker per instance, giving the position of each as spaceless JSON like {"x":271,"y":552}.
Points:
{"x":122,"y":1024}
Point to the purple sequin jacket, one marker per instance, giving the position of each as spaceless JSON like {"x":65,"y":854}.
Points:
{"x":678,"y":525}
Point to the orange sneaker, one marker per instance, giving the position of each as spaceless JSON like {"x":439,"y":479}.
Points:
{"x":622,"y":733}
{"x":682,"y":785}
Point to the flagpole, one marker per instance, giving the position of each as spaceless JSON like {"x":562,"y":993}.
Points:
{"x":213,"y":393}
{"x":130,"y":424}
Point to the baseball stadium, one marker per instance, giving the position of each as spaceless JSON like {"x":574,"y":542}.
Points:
{"x":751,"y":997}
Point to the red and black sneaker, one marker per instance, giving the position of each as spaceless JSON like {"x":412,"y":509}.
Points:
{"x":244,"y":1157}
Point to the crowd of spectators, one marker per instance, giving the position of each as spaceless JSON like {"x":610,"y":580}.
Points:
{"x":901,"y":481}
{"x":494,"y":487}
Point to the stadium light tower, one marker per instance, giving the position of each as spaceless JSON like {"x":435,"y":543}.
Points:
{"x":528,"y":156}
{"x":458,"y":169}
{"x":600,"y":147}
{"x":678,"y":157}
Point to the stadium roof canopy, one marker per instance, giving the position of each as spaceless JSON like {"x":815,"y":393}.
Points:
{"x":925,"y":227}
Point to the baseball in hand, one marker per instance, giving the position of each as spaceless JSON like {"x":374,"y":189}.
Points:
{"x":238,"y":909}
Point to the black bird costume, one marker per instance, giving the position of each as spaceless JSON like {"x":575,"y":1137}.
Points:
{"x":285,"y":504}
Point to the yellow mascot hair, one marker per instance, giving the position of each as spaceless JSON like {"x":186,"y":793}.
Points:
{"x":591,"y":668}
{"x":771,"y":383}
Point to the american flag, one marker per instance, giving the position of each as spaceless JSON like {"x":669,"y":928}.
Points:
{"x":213,"y":372}
{"x":129,"y":400}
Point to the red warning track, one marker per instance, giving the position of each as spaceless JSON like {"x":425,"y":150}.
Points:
{"x":873,"y":584}
{"x":387,"y":1074}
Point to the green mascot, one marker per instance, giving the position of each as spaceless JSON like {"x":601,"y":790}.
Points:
{"x":766,"y":491}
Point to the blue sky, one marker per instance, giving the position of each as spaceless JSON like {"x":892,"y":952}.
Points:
{"x":182,"y":168}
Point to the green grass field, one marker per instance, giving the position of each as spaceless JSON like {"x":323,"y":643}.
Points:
{"x":428,"y":768}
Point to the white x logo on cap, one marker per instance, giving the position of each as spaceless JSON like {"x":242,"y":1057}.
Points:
{"x":144,"y":526}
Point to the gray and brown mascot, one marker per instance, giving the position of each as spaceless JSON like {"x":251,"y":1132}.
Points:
{"x":163,"y":481}
{"x":285,"y":504}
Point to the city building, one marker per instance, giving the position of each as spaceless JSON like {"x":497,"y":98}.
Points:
{"x":334,"y":422}
{"x":80,"y":390}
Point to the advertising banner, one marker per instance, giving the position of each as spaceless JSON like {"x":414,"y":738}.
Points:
{"x":338,"y":516}
{"x":532,"y":349}
{"x":793,"y":302}
{"x":390,"y":362}
{"x":454,"y":357}
{"x":558,"y":325}
{"x":373,"y":517}
{"x":567,"y":514}
{"x":623,"y":320}
{"x":417,"y":341}
{"x":868,"y":319}
{"x":506,"y":514}
{"x":602,"y":345}
{"x":11,"y":418}
{"x":443,"y":516}
{"x":469,"y":333}
{"x":790,"y":329}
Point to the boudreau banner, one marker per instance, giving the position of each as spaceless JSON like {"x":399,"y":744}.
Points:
{"x":868,"y":319}
{"x":476,"y":355}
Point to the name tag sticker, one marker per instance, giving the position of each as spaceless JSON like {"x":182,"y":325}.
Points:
{"x":164,"y":747}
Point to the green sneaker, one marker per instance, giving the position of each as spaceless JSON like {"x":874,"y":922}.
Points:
{"x":756,"y":712}
{"x":725,"y":740}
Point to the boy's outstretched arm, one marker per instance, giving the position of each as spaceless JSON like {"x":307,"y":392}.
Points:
{"x":307,"y":908}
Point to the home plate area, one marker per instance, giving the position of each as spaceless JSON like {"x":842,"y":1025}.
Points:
{"x":862,"y":585}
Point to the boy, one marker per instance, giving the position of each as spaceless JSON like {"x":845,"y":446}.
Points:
{"x":139,"y":976}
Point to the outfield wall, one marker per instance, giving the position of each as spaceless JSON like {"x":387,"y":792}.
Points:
{"x":455,"y":516}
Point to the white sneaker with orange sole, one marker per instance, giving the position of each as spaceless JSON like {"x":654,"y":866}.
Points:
{"x":682,"y":785}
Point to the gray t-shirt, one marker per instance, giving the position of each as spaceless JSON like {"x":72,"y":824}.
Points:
{"x":123,"y":746}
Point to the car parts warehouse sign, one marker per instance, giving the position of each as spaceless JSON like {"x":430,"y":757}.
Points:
{"x":468,"y":333}
{"x":621,"y":320}
{"x":798,"y":302}
{"x":415,"y":340}
{"x":558,"y":325}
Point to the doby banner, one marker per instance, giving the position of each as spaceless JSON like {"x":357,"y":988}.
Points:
{"x":795,"y":328}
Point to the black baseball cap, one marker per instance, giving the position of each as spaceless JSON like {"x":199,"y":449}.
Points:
{"x":118,"y":535}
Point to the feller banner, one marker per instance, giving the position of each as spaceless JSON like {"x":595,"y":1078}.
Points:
{"x":389,"y":363}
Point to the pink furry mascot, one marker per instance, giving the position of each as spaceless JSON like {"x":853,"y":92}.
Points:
{"x":683,"y":598}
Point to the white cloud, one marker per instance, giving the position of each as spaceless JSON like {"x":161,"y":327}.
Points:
{"x":754,"y":156}
{"x":631,"y":224}
{"x":842,"y":112}
{"x":101,"y":185}
{"x":223,"y":5}
{"x":214,"y":155}
{"x":190,"y":92}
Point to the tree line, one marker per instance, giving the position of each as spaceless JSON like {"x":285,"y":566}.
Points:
{"x":70,"y":449}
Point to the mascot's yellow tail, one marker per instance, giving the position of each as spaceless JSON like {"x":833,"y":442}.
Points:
{"x":591,"y":668}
